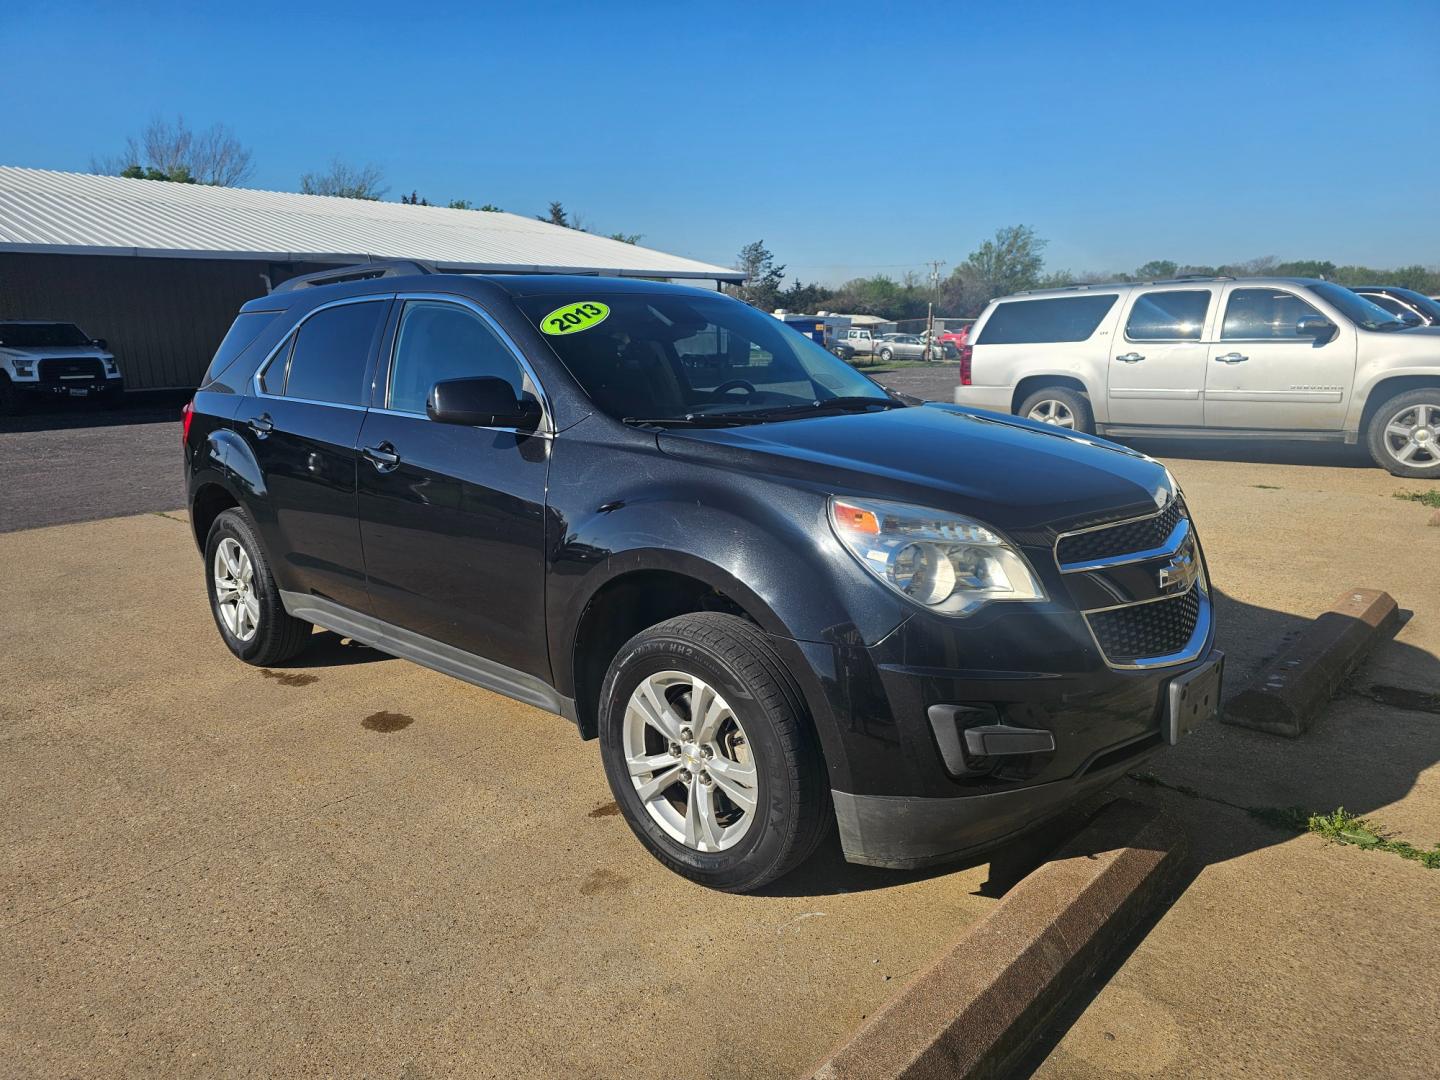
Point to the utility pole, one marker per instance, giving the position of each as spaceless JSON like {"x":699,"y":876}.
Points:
{"x":935,"y":266}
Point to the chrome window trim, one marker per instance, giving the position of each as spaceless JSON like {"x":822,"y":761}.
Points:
{"x":546,"y":427}
{"x":1193,"y":648}
{"x":289,"y":336}
{"x":1172,"y":543}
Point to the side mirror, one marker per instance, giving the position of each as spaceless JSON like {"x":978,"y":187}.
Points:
{"x":1314,"y":326}
{"x":100,"y":343}
{"x":484,"y":401}
{"x":1411,"y":319}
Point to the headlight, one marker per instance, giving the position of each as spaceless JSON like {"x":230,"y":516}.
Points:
{"x":24,"y":368}
{"x":944,"y":562}
{"x":110,"y":367}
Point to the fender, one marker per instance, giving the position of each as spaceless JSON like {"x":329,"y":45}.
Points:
{"x":754,"y":550}
{"x":1372,"y":375}
{"x":1098,"y":404}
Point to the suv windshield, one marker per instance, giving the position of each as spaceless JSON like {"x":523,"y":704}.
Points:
{"x":670,"y":357}
{"x":41,"y":335}
{"x":1357,"y":309}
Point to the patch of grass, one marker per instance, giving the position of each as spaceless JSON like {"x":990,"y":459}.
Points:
{"x":1429,"y":498}
{"x":1342,"y":827}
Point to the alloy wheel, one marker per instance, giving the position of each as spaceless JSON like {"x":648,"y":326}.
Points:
{"x":1412,"y":436}
{"x":1053,"y":412}
{"x":235,"y":597}
{"x":690,"y":762}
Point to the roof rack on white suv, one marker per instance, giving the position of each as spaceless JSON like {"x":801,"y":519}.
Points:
{"x":1213,"y":356}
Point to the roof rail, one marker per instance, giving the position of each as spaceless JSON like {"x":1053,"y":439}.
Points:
{"x":357,"y":272}
{"x":1189,"y":277}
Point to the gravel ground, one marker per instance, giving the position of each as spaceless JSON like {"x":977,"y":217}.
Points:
{"x":79,"y":464}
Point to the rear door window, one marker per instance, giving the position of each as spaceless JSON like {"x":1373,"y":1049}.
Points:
{"x":329,"y":355}
{"x":1168,"y":315}
{"x":1064,"y":318}
{"x":1257,"y":314}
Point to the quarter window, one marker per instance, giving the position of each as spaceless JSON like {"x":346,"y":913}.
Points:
{"x":439,"y":341}
{"x":1252,"y":314}
{"x":1390,"y":304}
{"x":1026,"y":322}
{"x":1168,"y":316}
{"x":328,"y":356}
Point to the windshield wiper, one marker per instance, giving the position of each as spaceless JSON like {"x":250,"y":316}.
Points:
{"x":692,"y":420}
{"x":853,"y":403}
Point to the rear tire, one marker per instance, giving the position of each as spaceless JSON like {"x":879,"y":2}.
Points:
{"x":1061,"y":407}
{"x":257,"y":628}
{"x":705,"y":699}
{"x":1404,"y":434}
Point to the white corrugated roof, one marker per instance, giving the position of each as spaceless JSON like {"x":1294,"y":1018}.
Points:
{"x":78,"y":213}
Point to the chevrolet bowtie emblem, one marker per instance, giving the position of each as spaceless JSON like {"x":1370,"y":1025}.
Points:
{"x":1180,"y":572}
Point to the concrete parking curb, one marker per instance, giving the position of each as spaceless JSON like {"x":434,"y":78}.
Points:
{"x":979,"y":1007}
{"x":1290,"y":691}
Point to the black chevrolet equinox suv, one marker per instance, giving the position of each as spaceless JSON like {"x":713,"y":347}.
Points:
{"x":778,"y":594}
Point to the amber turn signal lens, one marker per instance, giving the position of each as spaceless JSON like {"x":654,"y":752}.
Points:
{"x":856,"y":519}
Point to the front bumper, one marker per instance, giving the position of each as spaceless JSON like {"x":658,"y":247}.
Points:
{"x":45,"y":389}
{"x":903,"y":833}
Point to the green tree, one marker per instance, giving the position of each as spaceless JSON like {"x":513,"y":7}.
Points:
{"x":761,"y":286}
{"x":1009,"y":262}
{"x":556,"y":216}
{"x":414,"y":199}
{"x":627,"y":238}
{"x":804,"y":299}
{"x":345,"y":181}
{"x":1156,"y":269}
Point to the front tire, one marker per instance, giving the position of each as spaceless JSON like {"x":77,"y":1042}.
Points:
{"x":1060,"y":407}
{"x":244,"y":598}
{"x":886,"y":356}
{"x":710,"y":754}
{"x":10,"y":403}
{"x":1404,"y":434}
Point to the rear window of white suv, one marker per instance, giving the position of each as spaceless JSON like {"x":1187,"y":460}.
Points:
{"x":1033,"y":322}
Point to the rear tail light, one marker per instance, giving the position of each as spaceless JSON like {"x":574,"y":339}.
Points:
{"x":186,"y":415}
{"x":966,"y":352}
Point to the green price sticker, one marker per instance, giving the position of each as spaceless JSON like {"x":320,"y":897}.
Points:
{"x":572,"y":318}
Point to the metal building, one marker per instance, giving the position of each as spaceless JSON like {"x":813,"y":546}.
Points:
{"x":158,"y":269}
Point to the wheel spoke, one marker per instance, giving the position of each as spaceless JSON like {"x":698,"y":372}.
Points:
{"x":1398,"y":430}
{"x":656,"y":711}
{"x":702,"y":796}
{"x":252,"y":609}
{"x":737,"y":780}
{"x":1422,"y":415}
{"x":653,"y":787}
{"x":1406,"y":452}
{"x":707,"y":712}
{"x":645,"y":764}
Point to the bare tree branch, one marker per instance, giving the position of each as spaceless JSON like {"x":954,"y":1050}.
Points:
{"x":345,"y":181}
{"x":171,"y":151}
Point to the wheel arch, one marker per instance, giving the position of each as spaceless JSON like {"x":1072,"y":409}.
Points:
{"x":1385,"y":389}
{"x":637,"y":595}
{"x":1031,"y":383}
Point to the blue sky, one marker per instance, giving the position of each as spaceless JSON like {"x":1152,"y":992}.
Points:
{"x":852,"y":138}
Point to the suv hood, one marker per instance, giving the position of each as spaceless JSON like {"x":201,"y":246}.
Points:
{"x":1008,"y":472}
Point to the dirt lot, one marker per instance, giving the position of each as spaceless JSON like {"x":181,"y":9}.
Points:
{"x":358,"y":866}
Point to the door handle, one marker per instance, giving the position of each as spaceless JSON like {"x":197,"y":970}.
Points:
{"x":1231,"y":358}
{"x":1130,"y":358}
{"x":260,"y":425}
{"x":383,"y":457}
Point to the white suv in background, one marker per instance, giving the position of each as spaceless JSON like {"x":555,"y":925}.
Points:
{"x":1249,"y":358}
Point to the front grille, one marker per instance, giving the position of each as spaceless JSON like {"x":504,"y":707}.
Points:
{"x":1145,"y":631}
{"x":58,"y":372}
{"x":1123,"y":539}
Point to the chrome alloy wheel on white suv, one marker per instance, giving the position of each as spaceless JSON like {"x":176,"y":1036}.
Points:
{"x":1412,"y":436}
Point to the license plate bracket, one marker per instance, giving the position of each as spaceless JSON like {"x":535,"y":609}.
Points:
{"x":1194,"y":698}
